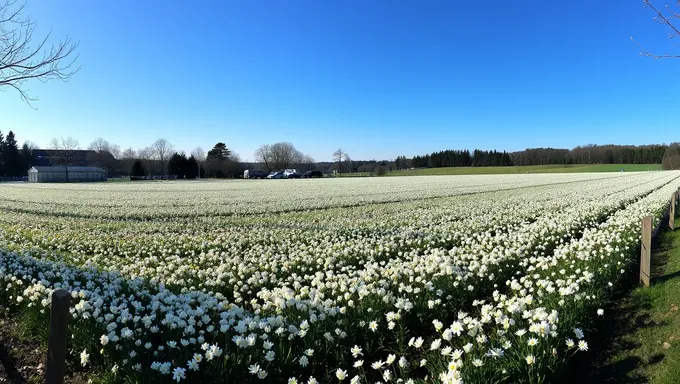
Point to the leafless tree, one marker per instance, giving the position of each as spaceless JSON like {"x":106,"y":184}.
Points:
{"x":22,"y":58}
{"x":668,"y":18}
{"x":114,"y":150}
{"x":263,"y":155}
{"x":279,"y":156}
{"x":338,"y":156}
{"x":199,"y":154}
{"x":128,"y":158}
{"x":104,"y":154}
{"x":146,"y":156}
{"x":64,"y":150}
{"x":162,"y":149}
{"x":348,"y":163}
{"x":31,"y":145}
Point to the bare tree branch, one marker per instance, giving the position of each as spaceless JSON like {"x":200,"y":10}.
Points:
{"x":20,"y":63}
{"x":668,"y":19}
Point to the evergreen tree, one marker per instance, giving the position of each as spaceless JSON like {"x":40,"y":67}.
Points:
{"x":26,"y":157}
{"x":11,"y":156}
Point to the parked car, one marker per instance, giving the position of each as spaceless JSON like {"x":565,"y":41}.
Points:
{"x":254,"y":174}
{"x":291,"y":174}
{"x":310,"y":174}
{"x":276,"y":175}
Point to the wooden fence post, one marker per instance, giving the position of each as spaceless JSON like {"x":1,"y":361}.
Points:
{"x":645,"y":251}
{"x":56,"y":344}
{"x":671,"y":212}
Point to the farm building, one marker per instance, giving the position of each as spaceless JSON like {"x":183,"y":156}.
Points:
{"x":65,"y":174}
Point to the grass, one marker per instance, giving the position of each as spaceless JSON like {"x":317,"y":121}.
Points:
{"x":570,"y":168}
{"x":644,"y":344}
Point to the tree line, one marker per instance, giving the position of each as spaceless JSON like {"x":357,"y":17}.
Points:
{"x":588,"y":154}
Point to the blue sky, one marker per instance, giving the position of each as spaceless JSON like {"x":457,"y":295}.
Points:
{"x":379,"y":78}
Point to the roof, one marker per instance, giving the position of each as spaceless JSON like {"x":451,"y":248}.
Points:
{"x":70,"y":169}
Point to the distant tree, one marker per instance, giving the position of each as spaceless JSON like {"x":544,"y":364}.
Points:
{"x":280,"y":156}
{"x":27,"y":159}
{"x":263,"y":155}
{"x":338,"y":156}
{"x":146,"y":157}
{"x":128,"y":158}
{"x":198,"y":155}
{"x":138,"y":169}
{"x":219,"y":152}
{"x":23,"y":59}
{"x":668,"y":18}
{"x":162,"y":149}
{"x":182,"y":167}
{"x":65,"y":149}
{"x":193,"y":168}
{"x":347,"y":163}
{"x":381,"y":170}
{"x":11,"y":156}
{"x":671,"y":159}
{"x":102,"y":155}
{"x":221,"y":162}
{"x":368,"y":168}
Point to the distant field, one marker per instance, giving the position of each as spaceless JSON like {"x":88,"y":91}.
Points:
{"x":572,"y":168}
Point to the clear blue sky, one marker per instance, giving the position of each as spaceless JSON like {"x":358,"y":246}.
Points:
{"x":379,"y":78}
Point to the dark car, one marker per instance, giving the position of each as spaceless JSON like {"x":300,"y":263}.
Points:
{"x":309,"y":174}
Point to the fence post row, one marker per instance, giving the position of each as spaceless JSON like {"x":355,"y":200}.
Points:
{"x":645,"y":251}
{"x":56,"y":344}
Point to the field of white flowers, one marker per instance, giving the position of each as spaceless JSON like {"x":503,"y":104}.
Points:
{"x":412,"y":280}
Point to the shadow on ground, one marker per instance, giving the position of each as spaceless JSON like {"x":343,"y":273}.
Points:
{"x":8,"y":367}
{"x":627,"y":313}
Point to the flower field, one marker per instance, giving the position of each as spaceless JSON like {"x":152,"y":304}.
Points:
{"x":441,"y":279}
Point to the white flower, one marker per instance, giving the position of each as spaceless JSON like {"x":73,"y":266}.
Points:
{"x":578,"y":332}
{"x":178,"y":374}
{"x":530,"y":359}
{"x":600,"y":312}
{"x":356,"y":351}
{"x":303,"y":361}
{"x":84,"y":357}
{"x":435,"y":344}
{"x":254,"y":369}
{"x":582,"y":345}
{"x":341,"y":374}
{"x":378,"y":364}
{"x":192,"y":365}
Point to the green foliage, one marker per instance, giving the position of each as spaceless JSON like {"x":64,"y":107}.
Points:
{"x":183,"y":167}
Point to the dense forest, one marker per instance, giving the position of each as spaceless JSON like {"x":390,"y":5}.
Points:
{"x":589,"y":154}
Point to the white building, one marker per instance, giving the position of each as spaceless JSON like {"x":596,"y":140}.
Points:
{"x":65,"y":174}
